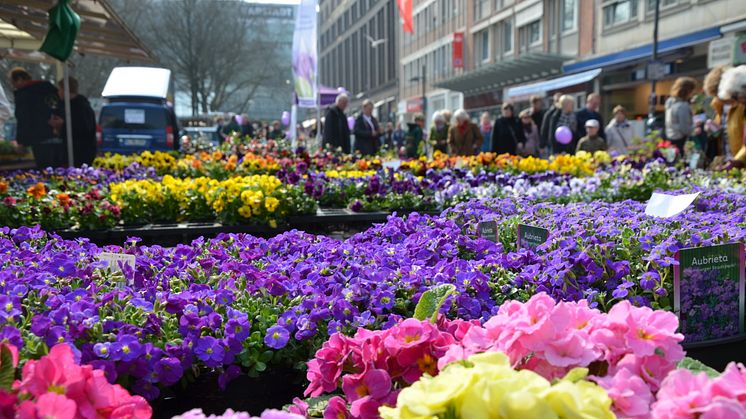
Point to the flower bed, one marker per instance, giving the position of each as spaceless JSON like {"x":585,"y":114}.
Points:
{"x":240,"y":302}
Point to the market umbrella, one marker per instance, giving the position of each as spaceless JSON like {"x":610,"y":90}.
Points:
{"x":64,"y":25}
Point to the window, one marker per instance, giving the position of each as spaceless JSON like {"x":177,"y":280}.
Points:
{"x":485,"y":45}
{"x":620,"y":12}
{"x":568,"y":15}
{"x":530,"y":35}
{"x":481,"y":9}
{"x":664,"y":4}
{"x":507,"y":37}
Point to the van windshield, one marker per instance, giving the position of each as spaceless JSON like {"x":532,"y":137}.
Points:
{"x":118,"y":117}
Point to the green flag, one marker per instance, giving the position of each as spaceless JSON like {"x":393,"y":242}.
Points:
{"x":64,"y":25}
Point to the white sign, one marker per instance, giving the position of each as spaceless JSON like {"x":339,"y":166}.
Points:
{"x":720,"y":52}
{"x":664,"y":206}
{"x":134,"y":116}
{"x":393,"y":164}
{"x":113,"y":260}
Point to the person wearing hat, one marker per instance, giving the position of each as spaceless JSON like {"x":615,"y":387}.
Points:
{"x":592,"y":142}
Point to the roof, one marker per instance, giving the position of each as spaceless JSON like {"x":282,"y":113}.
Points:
{"x":24,"y":24}
{"x":523,"y":69}
{"x":137,"y":82}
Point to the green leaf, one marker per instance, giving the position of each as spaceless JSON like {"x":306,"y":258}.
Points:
{"x":7,"y":371}
{"x":431,"y":301}
{"x":695,"y":366}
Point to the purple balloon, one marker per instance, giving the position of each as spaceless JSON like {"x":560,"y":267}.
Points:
{"x":285,"y":118}
{"x":351,"y":122}
{"x":563,"y":135}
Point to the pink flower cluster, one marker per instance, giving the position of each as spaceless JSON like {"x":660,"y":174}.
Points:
{"x":685,"y":395}
{"x":372,"y":366}
{"x":55,"y":386}
{"x":630,"y":350}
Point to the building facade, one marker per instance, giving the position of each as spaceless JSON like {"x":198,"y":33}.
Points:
{"x":690,"y":32}
{"x":359,"y":51}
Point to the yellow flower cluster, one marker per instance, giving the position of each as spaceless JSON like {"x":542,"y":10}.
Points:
{"x":248,"y":195}
{"x":485,"y":386}
{"x":162,"y":162}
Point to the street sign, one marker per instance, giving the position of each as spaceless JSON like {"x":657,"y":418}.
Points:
{"x":721,"y":52}
{"x":656,"y":70}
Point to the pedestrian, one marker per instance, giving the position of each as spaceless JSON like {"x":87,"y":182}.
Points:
{"x":592,"y":141}
{"x":247,"y":128}
{"x":619,"y":132}
{"x":219,"y":124}
{"x":547,"y":120}
{"x":82,"y":121}
{"x":530,"y":132}
{"x":565,"y":117}
{"x":592,"y":106}
{"x":507,"y":133}
{"x":35,"y":100}
{"x":537,"y":111}
{"x":398,"y":136}
{"x":485,"y":128}
{"x":447,"y":116}
{"x":277,"y":132}
{"x":438,"y":136}
{"x":367,"y":131}
{"x":413,"y":137}
{"x":679,"y":124}
{"x":233,"y":126}
{"x":464,"y":138}
{"x":336,"y":130}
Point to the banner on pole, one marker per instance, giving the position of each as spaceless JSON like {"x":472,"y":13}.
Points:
{"x":305,"y":55}
{"x":458,"y":50}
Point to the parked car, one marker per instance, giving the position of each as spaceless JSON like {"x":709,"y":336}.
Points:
{"x":137,"y":116}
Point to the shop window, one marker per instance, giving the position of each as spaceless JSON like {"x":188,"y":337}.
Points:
{"x":620,"y":12}
{"x":568,"y":15}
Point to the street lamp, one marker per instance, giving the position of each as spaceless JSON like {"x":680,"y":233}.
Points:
{"x":654,"y":69}
{"x":422,"y":78}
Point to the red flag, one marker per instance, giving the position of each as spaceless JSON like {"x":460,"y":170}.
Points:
{"x":405,"y":11}
{"x":458,"y":50}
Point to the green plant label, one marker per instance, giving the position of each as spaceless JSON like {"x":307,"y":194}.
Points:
{"x":709,"y":292}
{"x":531,"y":237}
{"x":488,"y":230}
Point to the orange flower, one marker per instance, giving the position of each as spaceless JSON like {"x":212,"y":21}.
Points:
{"x":197,"y":164}
{"x":64,"y":199}
{"x":37,"y":191}
{"x":3,"y":187}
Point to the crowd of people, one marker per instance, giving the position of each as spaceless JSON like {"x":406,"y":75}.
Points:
{"x":40,"y":118}
{"x":715,"y":132}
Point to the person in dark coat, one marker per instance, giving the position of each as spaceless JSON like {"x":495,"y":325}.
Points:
{"x":336,"y":130}
{"x":564,"y":117}
{"x":83,"y":121}
{"x":247,"y":128}
{"x":232,"y":126}
{"x":537,"y":113}
{"x":35,"y":100}
{"x":546,"y":121}
{"x":367,"y":131}
{"x":507,"y":132}
{"x":592,"y":105}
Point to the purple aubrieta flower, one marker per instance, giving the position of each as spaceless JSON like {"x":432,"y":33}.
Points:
{"x":239,"y":329}
{"x":169,"y":370}
{"x":210,"y":351}
{"x":126,"y":348}
{"x":61,"y":266}
{"x":102,"y":349}
{"x":277,"y":337}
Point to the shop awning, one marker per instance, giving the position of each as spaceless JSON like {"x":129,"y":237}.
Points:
{"x":664,"y":46}
{"x":24,"y":23}
{"x":495,"y":76}
{"x":554,"y":84}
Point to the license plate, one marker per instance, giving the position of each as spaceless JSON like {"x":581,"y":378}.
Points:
{"x":135,"y":142}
